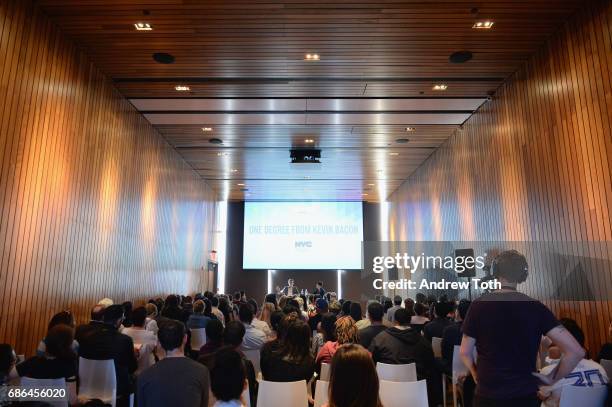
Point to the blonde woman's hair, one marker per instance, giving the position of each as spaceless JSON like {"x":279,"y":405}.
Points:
{"x":346,"y":330}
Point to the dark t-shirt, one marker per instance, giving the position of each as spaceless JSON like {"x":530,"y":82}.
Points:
{"x":277,"y":368}
{"x":368,"y":333}
{"x":173,"y":382}
{"x":40,"y":367}
{"x":508,"y":327}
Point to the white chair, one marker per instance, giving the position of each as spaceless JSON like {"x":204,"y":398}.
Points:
{"x":325,"y":372}
{"x":282,"y":394}
{"x":145,"y":356}
{"x":396,"y":373}
{"x":396,"y":394}
{"x":97,"y":380}
{"x":28,"y":382}
{"x":246,"y":396}
{"x":198,"y":339}
{"x":321,"y":393}
{"x":436,"y":345}
{"x":253,"y":356}
{"x":607,"y":365}
{"x":572,"y":396}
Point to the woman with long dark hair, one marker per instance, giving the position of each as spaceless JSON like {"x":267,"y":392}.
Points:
{"x":353,"y":380}
{"x":291,"y":359}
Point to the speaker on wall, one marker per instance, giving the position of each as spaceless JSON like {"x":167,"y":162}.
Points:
{"x":466,"y":254}
{"x":393,"y":273}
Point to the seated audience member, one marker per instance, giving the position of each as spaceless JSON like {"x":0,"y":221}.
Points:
{"x":436,"y":327}
{"x":291,"y":360}
{"x":127,"y":313}
{"x":335,"y":307}
{"x":8,"y":359}
{"x":409,"y":305}
{"x":151,"y":322}
{"x":403,"y":345}
{"x":451,"y":336}
{"x":59,"y":361}
{"x":214,"y":303}
{"x":102,"y":340}
{"x":175,"y":380}
{"x":172,"y":310}
{"x":346,"y":308}
{"x":226,"y":310}
{"x":506,"y":327}
{"x":275,"y":319}
{"x":586,"y":373}
{"x":346,"y":332}
{"x":256,"y":322}
{"x":419,"y":320}
{"x":326,"y":331}
{"x":606,"y":349}
{"x":233,"y":338}
{"x":253,"y":337}
{"x":303,"y":307}
{"x":375,"y":315}
{"x":266,"y":313}
{"x":355,"y":312}
{"x":353,"y":379}
{"x":397,"y":304}
{"x":228,"y":379}
{"x":144,"y":341}
{"x":321,"y":307}
{"x":214,"y":338}
{"x":197,"y":320}
{"x":61,"y":318}
{"x":271,"y":299}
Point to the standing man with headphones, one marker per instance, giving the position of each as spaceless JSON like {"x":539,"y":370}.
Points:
{"x":506,"y":326}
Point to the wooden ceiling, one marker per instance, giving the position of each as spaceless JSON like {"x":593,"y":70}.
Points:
{"x":255,"y":50}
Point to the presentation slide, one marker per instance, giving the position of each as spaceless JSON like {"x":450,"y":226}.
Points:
{"x":302,"y":235}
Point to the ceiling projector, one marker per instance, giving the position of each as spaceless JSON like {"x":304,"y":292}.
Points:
{"x":305,"y":156}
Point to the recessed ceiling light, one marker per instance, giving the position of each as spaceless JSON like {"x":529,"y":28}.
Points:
{"x":460,"y":57}
{"x":410,"y":129}
{"x":312,"y":57}
{"x":163,"y":58}
{"x":309,"y":141}
{"x":364,"y":194}
{"x":207,"y":129}
{"x":222,"y":154}
{"x":234,"y":170}
{"x":240,"y":185}
{"x":483,"y":25}
{"x":440,"y":86}
{"x":402,"y":140}
{"x":370,"y":185}
{"x":143,"y":27}
{"x":393,"y":153}
{"x":182,"y":88}
{"x":215,"y":141}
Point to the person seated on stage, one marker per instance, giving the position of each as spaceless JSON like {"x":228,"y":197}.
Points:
{"x":290,"y":289}
{"x":436,"y":327}
{"x":319,"y":291}
{"x":587,"y":373}
{"x":375,"y":316}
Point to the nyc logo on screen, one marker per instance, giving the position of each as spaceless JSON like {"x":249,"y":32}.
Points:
{"x":300,"y":244}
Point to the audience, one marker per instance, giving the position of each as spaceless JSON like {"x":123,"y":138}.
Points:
{"x":397,"y":304}
{"x":506,"y":326}
{"x":102,"y":340}
{"x":254,"y":338}
{"x":257,"y":323}
{"x":435,"y":328}
{"x":214,"y":338}
{"x":174,"y":380}
{"x":151,"y":322}
{"x":346,"y":332}
{"x":321,"y":307}
{"x":59,"y":360}
{"x":214,"y":303}
{"x":291,"y":360}
{"x":144,"y":341}
{"x":228,"y":379}
{"x":61,"y":318}
{"x":172,"y":310}
{"x":586,"y":371}
{"x":451,"y":336}
{"x":419,"y":320}
{"x":375,"y":315}
{"x":233,"y":338}
{"x":353,"y":379}
{"x":197,"y":320}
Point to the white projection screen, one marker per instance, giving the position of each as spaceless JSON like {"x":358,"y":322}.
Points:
{"x":302,"y":235}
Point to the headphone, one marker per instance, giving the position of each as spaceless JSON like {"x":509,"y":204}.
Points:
{"x":510,"y":255}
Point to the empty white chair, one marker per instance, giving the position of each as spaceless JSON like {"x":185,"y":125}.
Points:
{"x":321,"y":393}
{"x":198,"y":339}
{"x":97,"y":380}
{"x":572,"y":396}
{"x":396,"y":394}
{"x":28,"y":382}
{"x":253,"y":356}
{"x":607,"y":365}
{"x":279,"y":394}
{"x":436,"y":345}
{"x":325,"y":371}
{"x":396,"y":373}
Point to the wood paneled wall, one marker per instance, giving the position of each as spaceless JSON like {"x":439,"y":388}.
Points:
{"x":93,"y":202}
{"x":534,"y":164}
